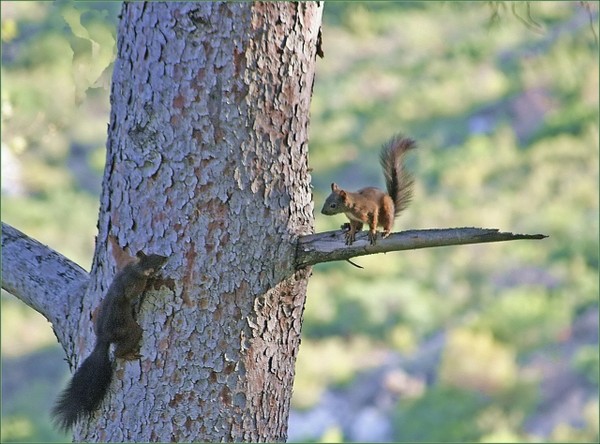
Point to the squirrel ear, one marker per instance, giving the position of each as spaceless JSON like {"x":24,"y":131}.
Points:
{"x":343,"y":194}
{"x":334,"y":187}
{"x":140,"y":254}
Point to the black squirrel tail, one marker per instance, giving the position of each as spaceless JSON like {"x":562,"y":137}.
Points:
{"x":87,"y":388}
{"x":398,"y":181}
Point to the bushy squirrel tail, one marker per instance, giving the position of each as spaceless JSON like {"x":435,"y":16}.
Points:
{"x":87,"y":388}
{"x":397,"y":180}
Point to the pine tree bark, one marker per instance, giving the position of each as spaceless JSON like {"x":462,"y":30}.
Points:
{"x":206,"y":164}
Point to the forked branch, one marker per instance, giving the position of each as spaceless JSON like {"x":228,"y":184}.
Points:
{"x":329,"y":246}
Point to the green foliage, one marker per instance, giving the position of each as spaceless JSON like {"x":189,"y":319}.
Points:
{"x":339,"y":356}
{"x":443,"y":414}
{"x":475,"y":361}
{"x":588,"y":433}
{"x":587,"y":362}
{"x":27,"y":330}
{"x":526,"y":317}
{"x":447,"y":413}
{"x":43,"y":65}
{"x":50,"y":218}
{"x":485,"y":179}
{"x":507,"y":123}
{"x":25,"y":412}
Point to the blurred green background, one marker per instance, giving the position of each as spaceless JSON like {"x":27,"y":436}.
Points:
{"x":492,"y":342}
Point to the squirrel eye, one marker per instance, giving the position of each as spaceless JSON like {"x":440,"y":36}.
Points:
{"x":333,"y":205}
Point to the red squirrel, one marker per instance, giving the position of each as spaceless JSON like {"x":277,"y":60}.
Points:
{"x":114,"y":325}
{"x":371,"y":205}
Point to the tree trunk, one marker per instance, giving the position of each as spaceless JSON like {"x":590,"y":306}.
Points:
{"x":207,"y":164}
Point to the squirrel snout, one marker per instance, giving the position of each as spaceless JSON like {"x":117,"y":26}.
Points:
{"x":328,"y":210}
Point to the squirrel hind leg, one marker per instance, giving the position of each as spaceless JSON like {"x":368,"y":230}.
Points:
{"x":386,"y":216}
{"x":387,"y":228}
{"x":128,"y":346}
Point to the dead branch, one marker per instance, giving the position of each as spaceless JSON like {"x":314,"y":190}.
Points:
{"x":329,"y":246}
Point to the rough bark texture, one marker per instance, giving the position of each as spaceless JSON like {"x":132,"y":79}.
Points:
{"x":207,"y":164}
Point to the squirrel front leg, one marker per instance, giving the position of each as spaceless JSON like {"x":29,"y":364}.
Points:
{"x":354,"y":227}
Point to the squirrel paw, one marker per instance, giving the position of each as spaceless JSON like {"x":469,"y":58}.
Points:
{"x":373,"y":237}
{"x":350,"y":237}
{"x":133,"y":356}
{"x":128,"y":353}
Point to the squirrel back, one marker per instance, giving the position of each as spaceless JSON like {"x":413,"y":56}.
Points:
{"x":114,"y":324}
{"x":398,"y":181}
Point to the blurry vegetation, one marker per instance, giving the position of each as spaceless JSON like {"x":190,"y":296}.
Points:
{"x":443,"y":414}
{"x":506,"y":116}
{"x":53,"y":57}
{"x":507,"y":122}
{"x":586,"y":361}
{"x":476,"y":362}
{"x":56,"y":63}
{"x":341,"y":358}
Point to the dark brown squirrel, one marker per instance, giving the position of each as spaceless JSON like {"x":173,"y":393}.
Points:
{"x":371,"y":205}
{"x":115,"y":324}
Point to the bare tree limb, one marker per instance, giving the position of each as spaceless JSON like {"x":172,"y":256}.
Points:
{"x":45,"y":280}
{"x":329,"y":246}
